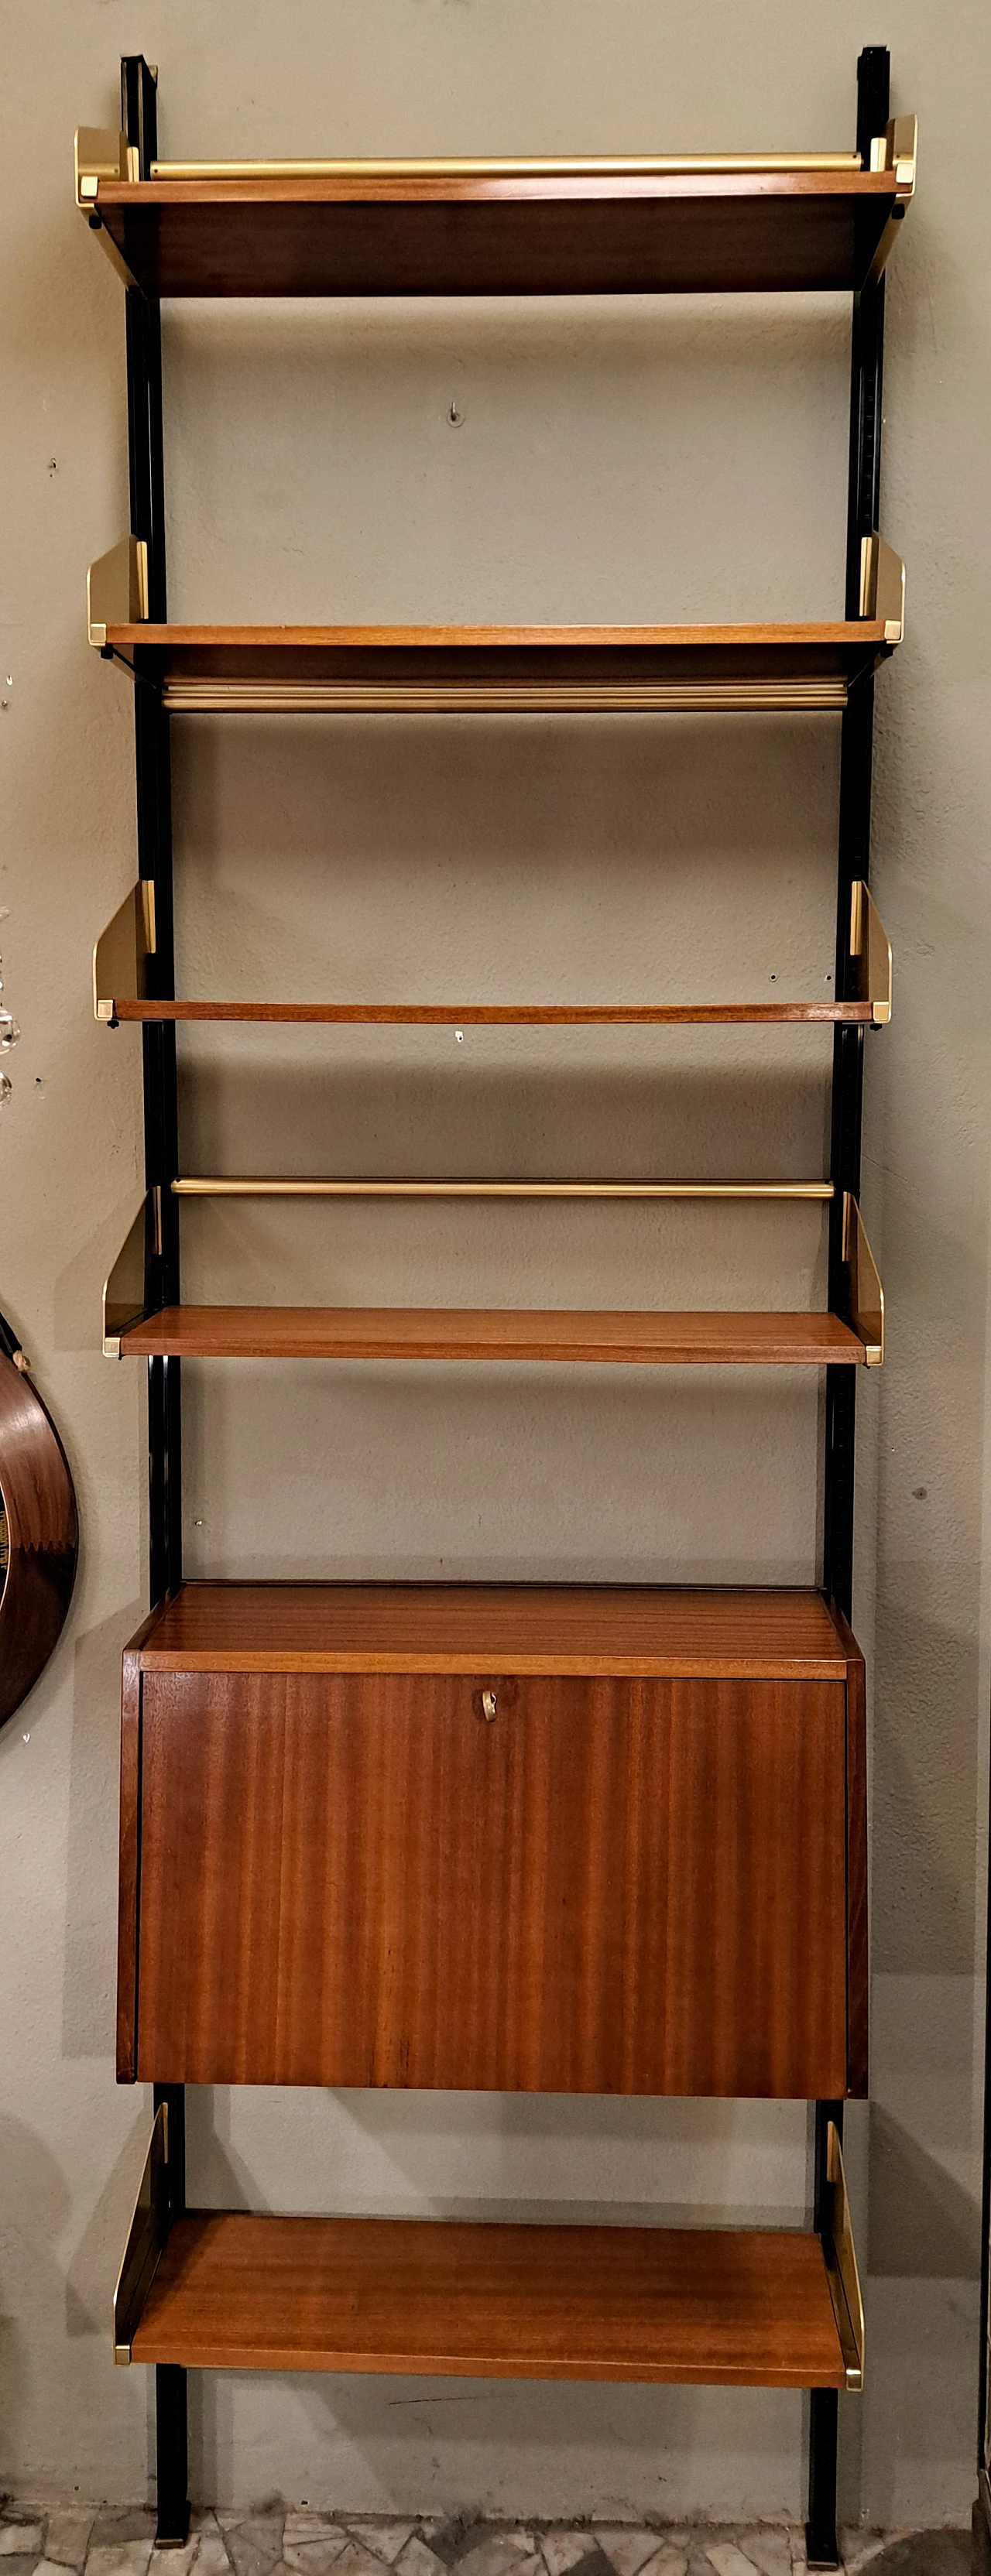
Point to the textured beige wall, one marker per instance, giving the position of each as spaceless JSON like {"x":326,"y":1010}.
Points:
{"x":650,"y":461}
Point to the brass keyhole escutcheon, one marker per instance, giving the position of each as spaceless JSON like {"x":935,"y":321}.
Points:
{"x":488,"y":1705}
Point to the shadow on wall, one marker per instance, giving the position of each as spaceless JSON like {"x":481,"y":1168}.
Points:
{"x":90,"y":1965}
{"x":567,"y":490}
{"x":35,"y":2204}
{"x":626,"y":2160}
{"x":96,"y":2261}
{"x":530,"y":1478}
{"x":618,"y":858}
{"x":926,"y":1712}
{"x":923,"y":2224}
{"x":563,"y":2448}
{"x":467,"y":1118}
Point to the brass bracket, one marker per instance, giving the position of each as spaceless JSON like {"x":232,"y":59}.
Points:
{"x":100,"y":153}
{"x":124,"y":1300}
{"x":841,"y":2266}
{"x":864,"y":1293}
{"x":121,"y":954}
{"x":870,"y":945}
{"x":117,"y":589}
{"x":897,"y":149}
{"x":147,"y":2239}
{"x":882,"y":587}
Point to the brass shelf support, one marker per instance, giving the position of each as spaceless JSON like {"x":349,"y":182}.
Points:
{"x":147,"y":2238}
{"x":870,"y":945}
{"x":120,"y":956}
{"x":117,"y":589}
{"x":101,"y":153}
{"x":864,"y":1293}
{"x":882,"y":586}
{"x":897,"y":149}
{"x":841,"y":2266}
{"x":124,"y":1300}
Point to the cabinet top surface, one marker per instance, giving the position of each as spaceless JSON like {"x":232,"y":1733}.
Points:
{"x":478,"y":1628}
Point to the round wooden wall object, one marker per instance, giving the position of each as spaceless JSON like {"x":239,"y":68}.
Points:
{"x":37,"y":1494}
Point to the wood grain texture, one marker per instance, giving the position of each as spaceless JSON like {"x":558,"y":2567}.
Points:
{"x":619,"y":644}
{"x":704,"y":1339}
{"x":506,"y":1014}
{"x":130,"y":1842}
{"x":42,"y":1536}
{"x":613,"y":1887}
{"x":711,"y":2306}
{"x":129,"y":1862}
{"x":508,"y":236}
{"x":632,"y":1630}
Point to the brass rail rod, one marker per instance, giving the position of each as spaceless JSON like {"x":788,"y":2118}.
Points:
{"x":203,"y":1187}
{"x":508,"y":697}
{"x":567,"y":166}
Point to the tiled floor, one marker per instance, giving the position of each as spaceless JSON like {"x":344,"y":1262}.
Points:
{"x":44,"y":2542}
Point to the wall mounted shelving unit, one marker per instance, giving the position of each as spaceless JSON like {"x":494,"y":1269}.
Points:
{"x":696,"y":1761}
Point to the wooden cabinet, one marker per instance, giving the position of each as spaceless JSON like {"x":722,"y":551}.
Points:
{"x":494,"y":1878}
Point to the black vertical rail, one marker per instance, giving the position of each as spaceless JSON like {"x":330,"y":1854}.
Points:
{"x":853,"y":861}
{"x":154,"y":830}
{"x":982,"y":2508}
{"x":821,"y":2538}
{"x":171,"y":2411}
{"x":151,"y":747}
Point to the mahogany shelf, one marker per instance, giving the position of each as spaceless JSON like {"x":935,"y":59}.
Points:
{"x":515,"y":231}
{"x":538,"y":669}
{"x":504,"y":1014}
{"x":704,"y":1338}
{"x":716,"y":2307}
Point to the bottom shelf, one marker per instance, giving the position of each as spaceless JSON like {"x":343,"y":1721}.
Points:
{"x":227,"y":2290}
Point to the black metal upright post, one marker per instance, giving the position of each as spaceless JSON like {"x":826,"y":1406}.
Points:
{"x":981,"y":2556}
{"x":154,"y":826}
{"x":854,"y":835}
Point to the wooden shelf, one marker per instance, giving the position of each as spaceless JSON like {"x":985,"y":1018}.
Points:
{"x":502,"y":1014}
{"x":633,"y":1630}
{"x":701,"y":2306}
{"x":656,"y":1339}
{"x":493,"y":669}
{"x":501,"y":229}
